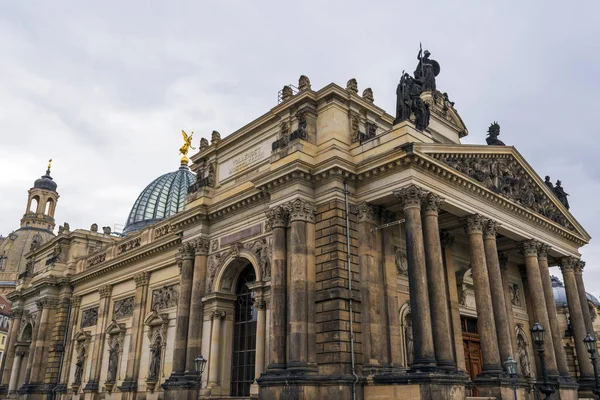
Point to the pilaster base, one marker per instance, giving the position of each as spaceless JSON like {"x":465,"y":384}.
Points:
{"x":586,"y":386}
{"x":34,"y":391}
{"x":288,"y":385}
{"x":91,"y":386}
{"x":129,"y":385}
{"x":180,"y":387}
{"x":418,"y":385}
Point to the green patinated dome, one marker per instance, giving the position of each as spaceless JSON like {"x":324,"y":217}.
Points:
{"x":162,"y":198}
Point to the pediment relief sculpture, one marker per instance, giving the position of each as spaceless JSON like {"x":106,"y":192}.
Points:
{"x":504,"y":175}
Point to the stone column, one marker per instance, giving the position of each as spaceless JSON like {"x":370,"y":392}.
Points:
{"x":15,"y":328}
{"x":186,"y":252}
{"x":93,"y":384}
{"x":587,"y":317}
{"x":278,"y":218}
{"x":373,"y":313}
{"x":568,"y":265}
{"x":424,"y":353}
{"x":16,"y":367}
{"x":557,"y":339}
{"x":194,"y":339}
{"x":34,"y":336}
{"x":503,"y":260}
{"x":497,"y":291}
{"x":540,"y":310}
{"x":37,"y":371}
{"x":137,"y":330}
{"x":71,"y":331}
{"x":215,"y":349}
{"x":301,"y":214}
{"x":438,"y":297}
{"x":486,"y":324}
{"x":261,"y":332}
{"x":447,"y":241}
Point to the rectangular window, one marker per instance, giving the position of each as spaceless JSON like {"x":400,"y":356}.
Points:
{"x":3,"y":338}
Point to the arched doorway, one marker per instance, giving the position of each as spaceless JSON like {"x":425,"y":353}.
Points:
{"x":244,"y":335}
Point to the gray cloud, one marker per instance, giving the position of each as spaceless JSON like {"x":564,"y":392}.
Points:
{"x":104,"y":90}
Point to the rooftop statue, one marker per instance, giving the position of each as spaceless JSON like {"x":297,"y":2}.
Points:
{"x":187,"y":144}
{"x":493,"y":133}
{"x":427,"y":69}
{"x":549,"y":183}
{"x":561,"y":194}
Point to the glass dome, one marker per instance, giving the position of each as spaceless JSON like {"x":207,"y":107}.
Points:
{"x":162,"y":198}
{"x":560,"y":295}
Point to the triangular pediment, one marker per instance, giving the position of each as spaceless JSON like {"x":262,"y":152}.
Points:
{"x":503,"y":170}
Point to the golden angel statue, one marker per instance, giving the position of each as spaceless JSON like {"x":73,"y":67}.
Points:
{"x":187,"y":144}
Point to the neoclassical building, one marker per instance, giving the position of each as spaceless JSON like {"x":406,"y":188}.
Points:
{"x":326,"y":249}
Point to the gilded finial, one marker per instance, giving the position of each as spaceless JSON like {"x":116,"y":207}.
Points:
{"x":49,"y":164}
{"x":187,"y":144}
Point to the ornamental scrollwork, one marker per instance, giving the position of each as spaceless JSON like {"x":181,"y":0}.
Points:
{"x":505,"y":176}
{"x":97,"y":259}
{"x":130,"y":245}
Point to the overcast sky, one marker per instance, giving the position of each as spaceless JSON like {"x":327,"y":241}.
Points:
{"x":105,"y":91}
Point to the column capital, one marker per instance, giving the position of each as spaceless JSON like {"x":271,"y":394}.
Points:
{"x":529,"y":248}
{"x":543,"y":249}
{"x":142,"y":279}
{"x":567,"y":264}
{"x":187,"y":250}
{"x":579,"y":266}
{"x":201,"y":246}
{"x":301,"y":210}
{"x":490,"y":228}
{"x":446,"y":238}
{"x":410,"y":196}
{"x":503,"y":260}
{"x":105,"y":291}
{"x":16,"y":313}
{"x":261,"y":304}
{"x":474,"y":223}
{"x":277,"y":216}
{"x":218,"y":314}
{"x":367,"y":212}
{"x":46,"y":302}
{"x":432,"y":203}
{"x":75,"y":301}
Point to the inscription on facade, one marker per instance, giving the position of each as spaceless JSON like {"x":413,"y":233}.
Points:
{"x":165,"y":297}
{"x":123,"y":308}
{"x":244,"y":160}
{"x":244,"y":233}
{"x":89,"y":317}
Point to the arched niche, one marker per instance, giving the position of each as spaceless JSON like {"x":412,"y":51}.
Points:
{"x":227,"y":276}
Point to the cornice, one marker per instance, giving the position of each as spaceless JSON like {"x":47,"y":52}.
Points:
{"x":424,"y":162}
{"x":127,"y":258}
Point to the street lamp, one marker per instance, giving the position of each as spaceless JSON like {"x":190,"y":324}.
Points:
{"x":537,"y":333}
{"x":590,"y":344}
{"x":511,"y":367}
{"x":199,"y":364}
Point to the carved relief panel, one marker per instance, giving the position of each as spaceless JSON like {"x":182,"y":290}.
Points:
{"x":89,"y":317}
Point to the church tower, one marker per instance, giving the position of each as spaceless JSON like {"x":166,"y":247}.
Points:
{"x":41,"y":203}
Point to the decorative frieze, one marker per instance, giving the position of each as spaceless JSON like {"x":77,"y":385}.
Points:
{"x":123,"y":308}
{"x":505,"y":176}
{"x":410,"y":196}
{"x":165,"y":297}
{"x":130,"y":245}
{"x":162,"y":231}
{"x":97,"y":259}
{"x":89,"y":317}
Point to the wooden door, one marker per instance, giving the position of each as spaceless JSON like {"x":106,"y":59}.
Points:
{"x":472,"y":347}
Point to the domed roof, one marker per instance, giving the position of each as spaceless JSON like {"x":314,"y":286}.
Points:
{"x":162,"y":198}
{"x":560,"y":296}
{"x":18,"y":243}
{"x":45,"y":182}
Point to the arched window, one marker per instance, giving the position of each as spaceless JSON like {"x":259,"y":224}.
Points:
{"x":33,"y":205}
{"x":49,"y":206}
{"x":244,"y":336}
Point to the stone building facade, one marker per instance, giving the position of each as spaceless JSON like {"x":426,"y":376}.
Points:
{"x":323,"y":252}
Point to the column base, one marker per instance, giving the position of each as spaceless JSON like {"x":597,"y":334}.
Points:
{"x":424,"y":365}
{"x":586,"y":386}
{"x":34,"y":391}
{"x":129,"y":385}
{"x":3,"y":389}
{"x":182,"y":387}
{"x":288,"y":385}
{"x":418,"y":385}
